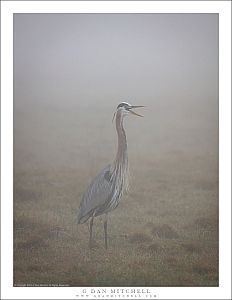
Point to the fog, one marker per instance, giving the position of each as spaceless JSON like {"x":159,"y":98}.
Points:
{"x":70,"y":73}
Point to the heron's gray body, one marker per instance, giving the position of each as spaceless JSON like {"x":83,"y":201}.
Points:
{"x":102,"y":191}
{"x":106,"y":189}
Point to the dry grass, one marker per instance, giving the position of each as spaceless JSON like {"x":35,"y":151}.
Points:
{"x":206,"y":222}
{"x":164,"y":231}
{"x":139,"y":238}
{"x":154,"y":248}
{"x":192,"y":246}
{"x":145,"y":249}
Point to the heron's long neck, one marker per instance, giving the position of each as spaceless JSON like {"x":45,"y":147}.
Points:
{"x":121,"y":156}
{"x":120,"y":165}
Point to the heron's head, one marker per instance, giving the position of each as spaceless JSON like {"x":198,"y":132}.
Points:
{"x":125,"y":109}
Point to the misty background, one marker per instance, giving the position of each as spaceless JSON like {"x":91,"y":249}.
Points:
{"x":72,"y":70}
{"x":70,"y":73}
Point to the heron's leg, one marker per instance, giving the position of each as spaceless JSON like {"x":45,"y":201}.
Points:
{"x":91,"y":231}
{"x":105,"y":231}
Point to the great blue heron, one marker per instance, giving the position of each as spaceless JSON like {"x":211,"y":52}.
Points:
{"x":106,"y":189}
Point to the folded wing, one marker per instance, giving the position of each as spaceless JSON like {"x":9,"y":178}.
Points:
{"x":96,"y":196}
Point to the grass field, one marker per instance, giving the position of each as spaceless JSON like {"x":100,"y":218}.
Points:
{"x":163,"y":233}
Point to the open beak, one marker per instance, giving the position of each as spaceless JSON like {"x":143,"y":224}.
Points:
{"x":134,"y":113}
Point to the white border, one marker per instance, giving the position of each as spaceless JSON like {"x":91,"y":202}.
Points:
{"x":224,"y":10}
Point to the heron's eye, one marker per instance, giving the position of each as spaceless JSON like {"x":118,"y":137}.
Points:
{"x":124,"y":105}
{"x":121,"y":105}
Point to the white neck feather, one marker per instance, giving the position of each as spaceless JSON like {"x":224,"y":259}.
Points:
{"x":120,"y":170}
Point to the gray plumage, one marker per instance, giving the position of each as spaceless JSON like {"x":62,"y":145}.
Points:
{"x":106,"y":189}
{"x":96,"y":197}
